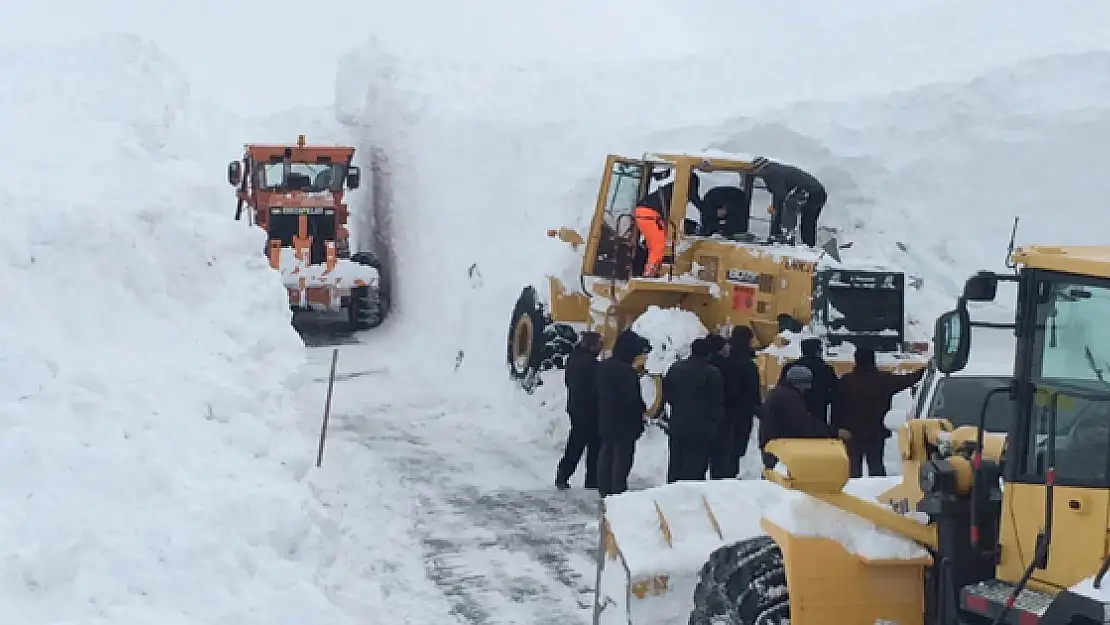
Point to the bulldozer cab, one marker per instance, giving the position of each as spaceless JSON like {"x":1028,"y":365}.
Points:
{"x":1056,"y":506}
{"x":674,"y":185}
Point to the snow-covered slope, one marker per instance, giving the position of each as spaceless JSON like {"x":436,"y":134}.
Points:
{"x":149,"y":452}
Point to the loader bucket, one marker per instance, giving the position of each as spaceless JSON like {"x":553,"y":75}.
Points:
{"x":654,"y":543}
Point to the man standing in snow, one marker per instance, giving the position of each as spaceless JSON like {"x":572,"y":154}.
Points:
{"x":785,"y":414}
{"x":793,"y":191}
{"x":723,"y":442}
{"x":581,"y":382}
{"x":621,"y":410}
{"x":823,"y":390}
{"x":861,"y":406}
{"x":694,"y":390}
{"x":742,"y":400}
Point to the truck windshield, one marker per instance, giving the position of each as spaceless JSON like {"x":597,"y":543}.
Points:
{"x":1071,"y":372}
{"x":302,"y":176}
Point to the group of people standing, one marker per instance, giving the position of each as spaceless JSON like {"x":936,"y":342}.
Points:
{"x":713,"y":398}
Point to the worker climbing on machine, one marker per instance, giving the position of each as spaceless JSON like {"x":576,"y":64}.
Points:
{"x":693,"y":389}
{"x":580,"y":377}
{"x":863,"y":400}
{"x":651,"y":220}
{"x":621,"y":410}
{"x":785,"y":414}
{"x":823,"y":391}
{"x":793,"y":191}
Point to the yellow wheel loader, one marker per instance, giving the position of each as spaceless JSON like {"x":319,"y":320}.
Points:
{"x":1002,"y":529}
{"x":717,"y":264}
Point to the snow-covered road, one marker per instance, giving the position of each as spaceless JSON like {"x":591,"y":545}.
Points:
{"x":493,"y":535}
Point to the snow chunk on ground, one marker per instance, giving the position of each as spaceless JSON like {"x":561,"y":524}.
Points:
{"x":149,"y":451}
{"x":670,"y":331}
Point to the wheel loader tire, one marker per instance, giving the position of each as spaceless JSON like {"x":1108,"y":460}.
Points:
{"x":742,"y":584}
{"x":366,"y":310}
{"x":535,"y":343}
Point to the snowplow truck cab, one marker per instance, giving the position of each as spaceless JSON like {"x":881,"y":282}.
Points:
{"x":296,"y":194}
{"x":718,"y":266}
{"x":1007,"y":528}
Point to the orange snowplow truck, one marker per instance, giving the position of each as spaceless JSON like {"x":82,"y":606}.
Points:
{"x":295,"y":194}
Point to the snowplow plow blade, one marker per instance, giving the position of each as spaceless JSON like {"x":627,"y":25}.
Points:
{"x":333,"y":273}
{"x":654,"y":565}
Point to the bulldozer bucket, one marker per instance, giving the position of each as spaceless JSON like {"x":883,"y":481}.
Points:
{"x":655,"y":544}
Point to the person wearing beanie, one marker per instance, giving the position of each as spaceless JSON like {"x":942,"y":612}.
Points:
{"x":785,"y":414}
{"x":721,"y":447}
{"x":825,"y":381}
{"x":743,"y":393}
{"x":692,"y":388}
{"x":860,"y":407}
{"x":580,"y":377}
{"x":621,"y":411}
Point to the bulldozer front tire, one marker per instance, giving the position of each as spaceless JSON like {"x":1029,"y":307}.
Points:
{"x":742,"y":584}
{"x":535,"y":342}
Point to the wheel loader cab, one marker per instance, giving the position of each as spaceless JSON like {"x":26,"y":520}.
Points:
{"x":615,"y":248}
{"x":1055,"y":515}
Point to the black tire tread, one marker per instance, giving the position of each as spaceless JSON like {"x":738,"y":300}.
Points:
{"x":742,"y":584}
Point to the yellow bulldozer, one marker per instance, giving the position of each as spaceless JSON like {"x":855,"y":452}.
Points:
{"x":1009,"y":528}
{"x":717,"y":265}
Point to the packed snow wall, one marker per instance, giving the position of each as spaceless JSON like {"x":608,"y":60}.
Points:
{"x":149,"y":455}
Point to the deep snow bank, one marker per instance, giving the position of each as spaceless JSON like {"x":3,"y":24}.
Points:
{"x":149,"y":455}
{"x":485,"y":145}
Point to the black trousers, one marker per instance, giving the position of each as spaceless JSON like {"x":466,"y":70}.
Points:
{"x":809,"y":210}
{"x":581,"y":439}
{"x":614,"y":464}
{"x":688,"y":459}
{"x":872,"y":452}
{"x":724,"y":461}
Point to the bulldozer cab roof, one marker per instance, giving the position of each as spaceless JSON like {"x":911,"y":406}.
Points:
{"x":705,"y":161}
{"x":1085,"y":260}
{"x":300,"y":153}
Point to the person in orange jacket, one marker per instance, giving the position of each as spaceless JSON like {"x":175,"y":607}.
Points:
{"x":650,"y":215}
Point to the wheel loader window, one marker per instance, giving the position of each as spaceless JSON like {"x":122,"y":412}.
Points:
{"x":615,"y":249}
{"x":1070,"y":374}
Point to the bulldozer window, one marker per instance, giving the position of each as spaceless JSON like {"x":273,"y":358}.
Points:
{"x":1071,"y":373}
{"x":615,"y":247}
{"x":312,"y":177}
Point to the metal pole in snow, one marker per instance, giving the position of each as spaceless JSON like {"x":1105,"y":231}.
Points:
{"x":327,"y":407}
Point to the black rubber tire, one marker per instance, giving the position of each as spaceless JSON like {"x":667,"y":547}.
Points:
{"x":545,"y":344}
{"x":742,"y":584}
{"x":366,"y":310}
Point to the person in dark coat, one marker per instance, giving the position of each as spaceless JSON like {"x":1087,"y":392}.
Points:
{"x":621,"y":410}
{"x":864,"y":399}
{"x":825,"y":380}
{"x":580,"y":377}
{"x":793,"y":190}
{"x":721,"y":447}
{"x":693,"y":389}
{"x":742,"y":393}
{"x":785,"y":414}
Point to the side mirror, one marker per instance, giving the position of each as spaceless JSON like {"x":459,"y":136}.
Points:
{"x":354,"y":177}
{"x":982,"y":287}
{"x":234,"y":173}
{"x":952,"y":340}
